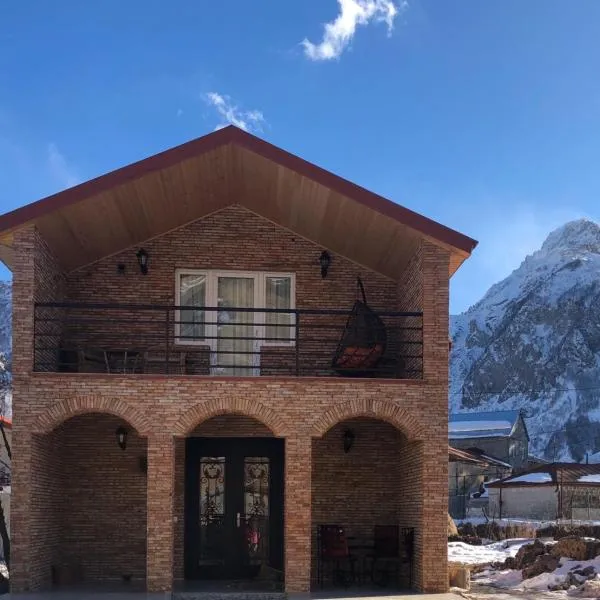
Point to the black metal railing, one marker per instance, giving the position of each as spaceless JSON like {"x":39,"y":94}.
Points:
{"x":219,"y":341}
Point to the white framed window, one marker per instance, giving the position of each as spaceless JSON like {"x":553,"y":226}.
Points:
{"x":234,"y":289}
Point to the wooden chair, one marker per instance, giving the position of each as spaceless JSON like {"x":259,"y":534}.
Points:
{"x":333,"y":551}
{"x":156,"y":361}
{"x":92,"y":360}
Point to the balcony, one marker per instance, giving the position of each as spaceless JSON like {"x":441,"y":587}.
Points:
{"x":225,"y":341}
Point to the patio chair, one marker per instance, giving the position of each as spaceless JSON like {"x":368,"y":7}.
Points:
{"x":392,"y":550}
{"x":92,"y":360}
{"x":334,"y":553}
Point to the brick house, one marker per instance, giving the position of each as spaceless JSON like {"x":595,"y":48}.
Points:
{"x":174,"y":324}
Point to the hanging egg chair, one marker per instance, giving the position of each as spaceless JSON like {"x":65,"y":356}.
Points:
{"x":363,"y":341}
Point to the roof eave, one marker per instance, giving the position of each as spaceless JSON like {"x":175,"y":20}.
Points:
{"x":459,"y":244}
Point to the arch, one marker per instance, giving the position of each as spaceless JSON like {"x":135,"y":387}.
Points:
{"x":63,"y":410}
{"x":394,"y":414}
{"x":222,"y":406}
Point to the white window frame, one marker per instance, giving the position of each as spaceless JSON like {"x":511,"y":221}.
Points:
{"x":260,"y":296}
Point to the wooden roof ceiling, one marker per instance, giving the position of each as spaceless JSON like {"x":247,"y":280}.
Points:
{"x":128,"y":206}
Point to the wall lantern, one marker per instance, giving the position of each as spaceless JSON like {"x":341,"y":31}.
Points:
{"x":324,"y":261}
{"x":142,"y":257}
{"x":348,"y":439}
{"x":121,"y":434}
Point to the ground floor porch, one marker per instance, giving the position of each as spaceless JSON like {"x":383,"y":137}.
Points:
{"x":228,"y":504}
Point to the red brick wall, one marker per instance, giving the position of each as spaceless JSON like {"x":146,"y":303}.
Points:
{"x":293,"y":408}
{"x":102,"y":499}
{"x":358,"y":489}
{"x":231,"y":239}
{"x":46,"y":509}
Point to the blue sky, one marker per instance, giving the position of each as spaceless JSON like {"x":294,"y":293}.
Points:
{"x":482,"y":115}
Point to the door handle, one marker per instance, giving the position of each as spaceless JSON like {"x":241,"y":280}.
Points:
{"x":238,"y":520}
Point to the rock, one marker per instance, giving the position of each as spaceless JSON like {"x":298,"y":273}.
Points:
{"x":527,"y":554}
{"x":544,"y":563}
{"x":452,"y":530}
{"x":572,"y":547}
{"x":590,"y":589}
{"x":587,"y":572}
{"x":459,"y":576}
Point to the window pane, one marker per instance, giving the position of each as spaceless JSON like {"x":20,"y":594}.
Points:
{"x":279,"y":296}
{"x":192,"y":293}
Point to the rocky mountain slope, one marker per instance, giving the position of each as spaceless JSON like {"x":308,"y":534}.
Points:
{"x":533,"y":342}
{"x":5,"y":346}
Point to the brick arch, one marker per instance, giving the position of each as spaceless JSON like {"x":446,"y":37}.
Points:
{"x":374,"y":409}
{"x":63,"y":410}
{"x":232,"y":406}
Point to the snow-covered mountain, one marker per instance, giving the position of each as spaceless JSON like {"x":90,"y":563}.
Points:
{"x":533,"y":342}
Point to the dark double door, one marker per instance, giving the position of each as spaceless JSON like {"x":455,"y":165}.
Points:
{"x":233,"y":507}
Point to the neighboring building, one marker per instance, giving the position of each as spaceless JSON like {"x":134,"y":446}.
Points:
{"x":468,"y":471}
{"x":548,"y":492}
{"x":502,"y":434}
{"x":177,"y":414}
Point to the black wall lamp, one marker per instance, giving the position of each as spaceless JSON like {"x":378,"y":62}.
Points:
{"x":142,"y":257}
{"x":324,"y":261}
{"x":121,"y":434}
{"x":348,"y":439}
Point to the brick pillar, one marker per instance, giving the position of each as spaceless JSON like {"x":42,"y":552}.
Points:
{"x":160,"y":526}
{"x":434,"y":534}
{"x":22,"y":363}
{"x":298,"y":471}
{"x":20,"y":546}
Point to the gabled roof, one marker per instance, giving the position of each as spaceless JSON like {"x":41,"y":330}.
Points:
{"x":556,"y":473}
{"x":500,"y":423}
{"x":230,"y":166}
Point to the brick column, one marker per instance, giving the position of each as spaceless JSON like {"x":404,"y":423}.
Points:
{"x":160,"y":526}
{"x":434,"y":535}
{"x":298,"y":471}
{"x":20,"y":546}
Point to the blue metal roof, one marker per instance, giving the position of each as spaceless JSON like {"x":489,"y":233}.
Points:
{"x":498,"y":423}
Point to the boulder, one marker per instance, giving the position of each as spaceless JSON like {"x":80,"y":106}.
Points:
{"x":572,"y":547}
{"x":544,"y":563}
{"x":590,"y":589}
{"x":452,"y":530}
{"x":527,"y":554}
{"x":459,"y":576}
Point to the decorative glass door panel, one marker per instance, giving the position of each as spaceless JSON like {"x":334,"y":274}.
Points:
{"x":256,"y":508}
{"x":213,"y":550}
{"x":236,"y":344}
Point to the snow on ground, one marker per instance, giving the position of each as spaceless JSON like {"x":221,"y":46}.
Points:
{"x":467,"y":554}
{"x":3,"y":569}
{"x":512,"y":579}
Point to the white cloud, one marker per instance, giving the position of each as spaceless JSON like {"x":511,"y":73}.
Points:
{"x":339,"y":33}
{"x":248,"y":120}
{"x":60,"y":169}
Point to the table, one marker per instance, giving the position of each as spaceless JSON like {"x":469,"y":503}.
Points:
{"x":361,"y":552}
{"x":122,"y":360}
